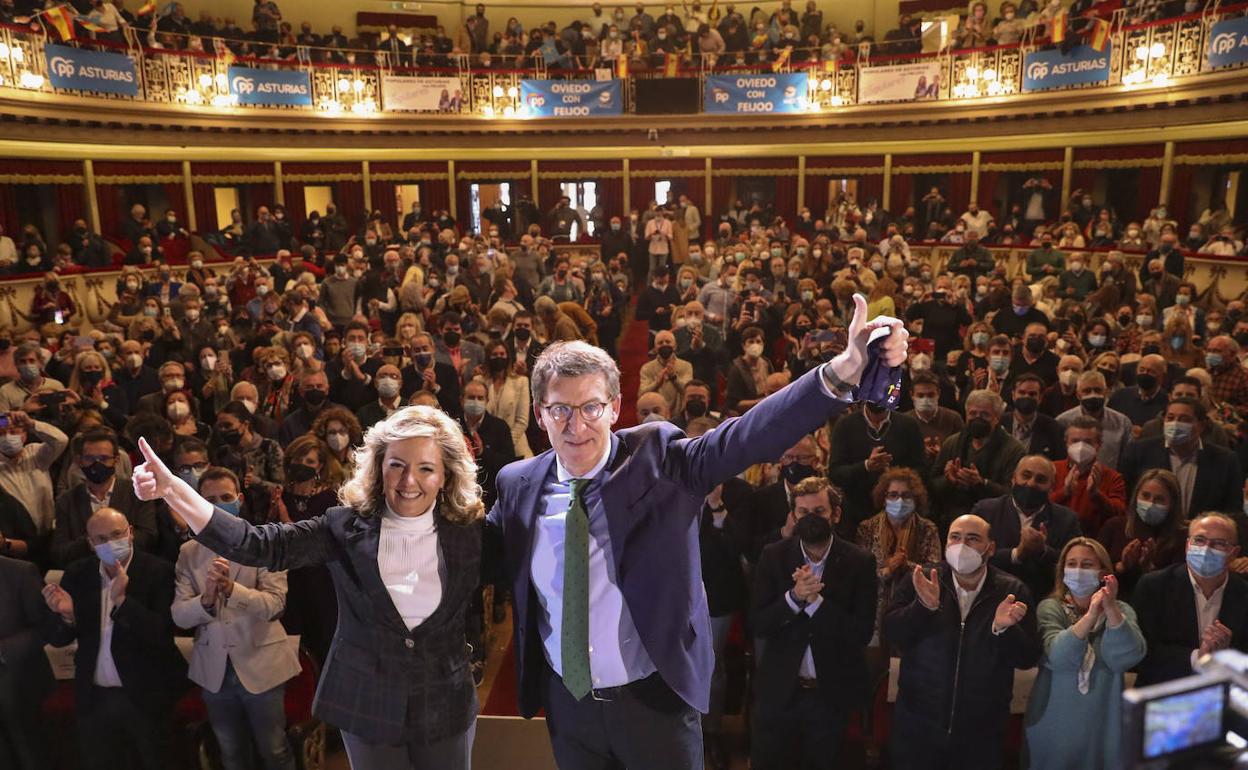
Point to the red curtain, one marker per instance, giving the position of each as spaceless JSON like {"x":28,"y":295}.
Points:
{"x":611,"y":196}
{"x":434,"y":195}
{"x":296,"y":209}
{"x":548,"y":192}
{"x":69,"y":203}
{"x":723,"y":195}
{"x":111,"y":207}
{"x":1147,"y":188}
{"x":382,"y":193}
{"x":350,"y":200}
{"x":8,"y":210}
{"x":786,"y":198}
{"x":1179,"y":204}
{"x":959,"y":193}
{"x":641,"y":191}
{"x":205,"y":207}
{"x":901,"y":196}
{"x":176,"y":199}
{"x":871,"y":187}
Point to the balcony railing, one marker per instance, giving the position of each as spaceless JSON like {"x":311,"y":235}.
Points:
{"x":1157,"y":54}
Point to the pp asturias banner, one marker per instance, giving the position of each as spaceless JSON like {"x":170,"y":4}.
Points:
{"x":270,"y":87}
{"x":899,"y":82}
{"x":571,"y":98}
{"x":1228,"y":42}
{"x":1083,"y":65}
{"x":77,"y":69}
{"x":764,"y":93}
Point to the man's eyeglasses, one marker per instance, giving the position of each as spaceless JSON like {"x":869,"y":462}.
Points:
{"x":561,"y":413}
{"x":93,"y":459}
{"x":898,"y":495}
{"x":1217,"y":544}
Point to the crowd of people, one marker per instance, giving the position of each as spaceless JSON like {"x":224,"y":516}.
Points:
{"x":699,"y":34}
{"x":1063,"y":477}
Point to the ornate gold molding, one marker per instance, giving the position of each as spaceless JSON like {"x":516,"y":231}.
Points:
{"x":569,"y":175}
{"x":1211,"y":160}
{"x":233,"y":179}
{"x":1054,"y":166}
{"x":1120,"y":163}
{"x":844,"y":171}
{"x":42,"y":179}
{"x":138,"y":179}
{"x":322,"y":177}
{"x":956,"y":168}
{"x":398,"y":176}
{"x":753,"y":171}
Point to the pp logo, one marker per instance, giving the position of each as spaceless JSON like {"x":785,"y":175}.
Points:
{"x":720,"y":96}
{"x":61,"y":67}
{"x":604,"y":98}
{"x":790,"y":92}
{"x":1037,"y":70}
{"x":536,"y":100}
{"x":243,"y":85}
{"x":1222,"y":44}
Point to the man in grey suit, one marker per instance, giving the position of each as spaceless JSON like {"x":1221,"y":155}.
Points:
{"x":25,"y":677}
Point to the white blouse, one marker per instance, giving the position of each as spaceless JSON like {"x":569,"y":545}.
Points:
{"x":409,"y":561}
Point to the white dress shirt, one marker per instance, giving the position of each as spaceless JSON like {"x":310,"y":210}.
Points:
{"x":1206,"y":609}
{"x":106,"y":674}
{"x":616,"y":654}
{"x":410,"y":565}
{"x":966,"y":597}
{"x":807,"y":669}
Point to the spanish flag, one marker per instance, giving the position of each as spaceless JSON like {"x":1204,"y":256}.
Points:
{"x":782,"y":58}
{"x":621,"y":66}
{"x":86,"y":23}
{"x":1100,"y":34}
{"x":62,"y":20}
{"x":1059,"y":25}
{"x":671,"y":65}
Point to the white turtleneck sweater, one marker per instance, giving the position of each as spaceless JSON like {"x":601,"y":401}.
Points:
{"x":409,"y":561}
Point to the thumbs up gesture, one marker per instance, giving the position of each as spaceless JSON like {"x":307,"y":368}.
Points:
{"x":1009,"y":612}
{"x":849,"y":365}
{"x":152,"y":478}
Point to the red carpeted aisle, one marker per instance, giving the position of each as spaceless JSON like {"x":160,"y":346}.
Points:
{"x":634,"y":351}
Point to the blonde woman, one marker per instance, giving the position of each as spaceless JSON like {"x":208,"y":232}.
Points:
{"x":92,"y":382}
{"x":404,"y":552}
{"x":1091,"y":638}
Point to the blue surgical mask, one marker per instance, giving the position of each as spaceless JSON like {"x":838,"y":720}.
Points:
{"x":114,"y":551}
{"x":1176,"y":432}
{"x":1205,"y":561}
{"x":1082,"y":582}
{"x":1151,"y":514}
{"x":234,"y":508}
{"x":898,"y":510}
{"x":1213,"y":360}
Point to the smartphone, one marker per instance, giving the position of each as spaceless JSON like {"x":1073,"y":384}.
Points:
{"x":168,"y":312}
{"x":395,"y":351}
{"x":59,"y":317}
{"x":4,"y":421}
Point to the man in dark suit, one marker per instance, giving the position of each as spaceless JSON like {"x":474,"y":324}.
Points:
{"x":636,"y":494}
{"x":129,"y":673}
{"x":351,"y":374}
{"x":427,"y":373}
{"x":773,"y":503}
{"x":1175,"y":625}
{"x":865,"y":443}
{"x":525,"y":347}
{"x":97,"y":457}
{"x":1147,"y":398}
{"x":1209,"y":476}
{"x":814,"y":606}
{"x":25,"y":677}
{"x":1039,"y":433}
{"x":314,"y":395}
{"x":1029,"y":531}
{"x":489,"y":437}
{"x":962,"y":629}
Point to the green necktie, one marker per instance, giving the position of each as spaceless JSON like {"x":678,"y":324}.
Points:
{"x":574,"y":642}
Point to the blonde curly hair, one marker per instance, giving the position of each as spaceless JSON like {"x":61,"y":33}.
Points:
{"x":460,"y":497}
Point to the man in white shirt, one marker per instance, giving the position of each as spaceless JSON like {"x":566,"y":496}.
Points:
{"x":976,"y":219}
{"x":8,"y":249}
{"x":128,"y":672}
{"x":106,"y":15}
{"x":1195,"y":608}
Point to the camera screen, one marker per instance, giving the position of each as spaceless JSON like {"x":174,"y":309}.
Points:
{"x":1183,"y":721}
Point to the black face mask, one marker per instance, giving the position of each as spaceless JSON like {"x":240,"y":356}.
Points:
{"x":423,"y":360}
{"x":1146,"y":381}
{"x":695,"y":407}
{"x":98,"y":473}
{"x":5,"y":343}
{"x":1093,"y":404}
{"x":1152,"y":348}
{"x":795,"y":472}
{"x":315,"y":398}
{"x":451,"y":339}
{"x":813,"y":530}
{"x":1029,"y":498}
{"x":978,"y":428}
{"x":1035,"y":345}
{"x":299,"y":473}
{"x":91,"y":379}
{"x":1124,"y":319}
{"x":1025,"y":405}
{"x":665,"y":352}
{"x":1242,"y":338}
{"x":523,"y":333}
{"x":231,"y":437}
{"x":498,"y":365}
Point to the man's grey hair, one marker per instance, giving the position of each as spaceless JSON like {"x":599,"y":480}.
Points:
{"x":27,"y":348}
{"x":985,"y":397}
{"x":573,"y":359}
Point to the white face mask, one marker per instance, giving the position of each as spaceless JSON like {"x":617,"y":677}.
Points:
{"x":754,"y":349}
{"x":305,"y":351}
{"x":336,"y":441}
{"x":192,"y":315}
{"x":963,"y":559}
{"x":277,"y":372}
{"x":10,"y":444}
{"x":208,"y":363}
{"x":925,"y":405}
{"x":1081,"y":452}
{"x":174,"y":383}
{"x":387,"y":387}
{"x":178,"y":410}
{"x":251,"y":405}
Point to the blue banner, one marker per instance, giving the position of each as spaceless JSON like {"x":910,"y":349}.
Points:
{"x":270,"y":87}
{"x":77,"y":69}
{"x":1228,"y":42}
{"x":765,"y":93}
{"x":1083,"y":65}
{"x":570,"y":98}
